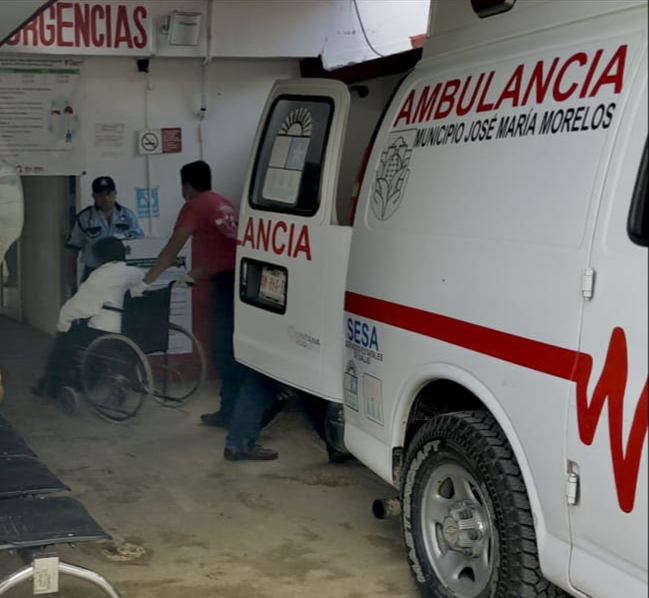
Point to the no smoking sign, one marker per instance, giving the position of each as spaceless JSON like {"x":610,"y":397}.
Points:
{"x":149,"y":142}
{"x":159,"y":141}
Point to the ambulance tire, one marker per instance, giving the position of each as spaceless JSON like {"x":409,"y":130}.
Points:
{"x":460,"y":472}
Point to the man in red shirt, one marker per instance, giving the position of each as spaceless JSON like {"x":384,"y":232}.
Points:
{"x":211,"y":220}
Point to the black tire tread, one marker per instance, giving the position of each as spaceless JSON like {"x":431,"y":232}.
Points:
{"x":485,"y":442}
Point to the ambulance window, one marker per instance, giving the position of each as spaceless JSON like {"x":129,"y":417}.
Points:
{"x":488,"y":8}
{"x":290,"y":160}
{"x":639,"y":214}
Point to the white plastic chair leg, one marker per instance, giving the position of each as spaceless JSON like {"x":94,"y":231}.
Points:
{"x":25,"y":574}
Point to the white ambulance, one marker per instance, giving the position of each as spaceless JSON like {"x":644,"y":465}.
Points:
{"x":484,"y":320}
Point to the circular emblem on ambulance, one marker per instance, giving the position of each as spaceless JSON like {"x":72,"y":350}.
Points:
{"x":391,"y":177}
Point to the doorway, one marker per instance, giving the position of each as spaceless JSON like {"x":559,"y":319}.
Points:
{"x":36,"y":278}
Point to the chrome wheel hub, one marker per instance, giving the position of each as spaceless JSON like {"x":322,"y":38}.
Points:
{"x":457,"y":530}
{"x":464,"y":529}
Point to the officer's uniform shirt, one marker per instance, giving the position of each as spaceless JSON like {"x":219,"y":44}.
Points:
{"x":91,"y":225}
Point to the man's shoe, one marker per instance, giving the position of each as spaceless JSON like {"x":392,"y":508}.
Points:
{"x":38,"y":390}
{"x":43,"y":389}
{"x":215,"y":420}
{"x":255,"y":453}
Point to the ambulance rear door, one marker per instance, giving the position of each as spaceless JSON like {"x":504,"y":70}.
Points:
{"x":292,"y":254}
{"x":607,"y":431}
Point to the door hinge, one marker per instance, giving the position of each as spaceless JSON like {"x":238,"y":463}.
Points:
{"x":588,"y":283}
{"x":572,"y":489}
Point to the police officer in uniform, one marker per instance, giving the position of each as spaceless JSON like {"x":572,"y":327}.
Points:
{"x":106,"y":218}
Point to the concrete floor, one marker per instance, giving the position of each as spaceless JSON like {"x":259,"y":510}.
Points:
{"x":185,"y":523}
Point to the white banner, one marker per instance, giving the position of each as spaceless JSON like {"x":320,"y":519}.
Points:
{"x":39,"y":116}
{"x":106,"y":28}
{"x":143,"y":253}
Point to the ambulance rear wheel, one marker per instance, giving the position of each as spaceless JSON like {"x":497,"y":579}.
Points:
{"x":467,"y":522}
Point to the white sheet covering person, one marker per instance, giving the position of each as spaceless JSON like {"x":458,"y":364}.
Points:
{"x":83,"y":317}
{"x":105,"y":287}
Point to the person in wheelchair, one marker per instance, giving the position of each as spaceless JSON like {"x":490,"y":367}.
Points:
{"x":88,"y":314}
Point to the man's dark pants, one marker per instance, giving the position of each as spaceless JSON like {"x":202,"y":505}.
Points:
{"x":245,"y":394}
{"x":62,"y":360}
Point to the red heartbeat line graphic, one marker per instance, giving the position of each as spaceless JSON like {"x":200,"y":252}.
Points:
{"x":611,"y":386}
{"x":548,"y":359}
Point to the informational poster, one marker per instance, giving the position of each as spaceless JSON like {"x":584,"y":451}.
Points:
{"x":142,"y":253}
{"x":110,"y":135}
{"x":39,"y":116}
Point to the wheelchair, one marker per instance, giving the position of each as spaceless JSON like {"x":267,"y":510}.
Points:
{"x":117,"y":372}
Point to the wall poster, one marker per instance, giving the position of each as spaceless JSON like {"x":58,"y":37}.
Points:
{"x":40,"y":127}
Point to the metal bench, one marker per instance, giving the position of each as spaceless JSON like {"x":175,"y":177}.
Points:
{"x":24,"y":476}
{"x":31,"y":523}
{"x":12,"y":444}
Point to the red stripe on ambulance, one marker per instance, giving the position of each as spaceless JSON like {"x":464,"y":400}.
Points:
{"x":547,"y":359}
{"x":278,"y":237}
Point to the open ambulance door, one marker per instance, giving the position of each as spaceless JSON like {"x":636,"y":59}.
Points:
{"x":292,"y":253}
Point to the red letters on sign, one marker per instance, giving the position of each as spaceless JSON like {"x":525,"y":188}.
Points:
{"x":512,"y":90}
{"x":280,"y":238}
{"x":86,"y":25}
{"x":564,"y":77}
{"x":613,"y":73}
{"x":139,"y":15}
{"x":63,"y":24}
{"x":561,"y":95}
{"x":82,"y":29}
{"x":47,"y":31}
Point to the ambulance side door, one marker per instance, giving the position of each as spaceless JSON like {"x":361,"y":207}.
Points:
{"x":607,"y":429}
{"x":292,"y":254}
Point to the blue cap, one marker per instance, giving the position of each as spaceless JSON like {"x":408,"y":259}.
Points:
{"x":103,"y":184}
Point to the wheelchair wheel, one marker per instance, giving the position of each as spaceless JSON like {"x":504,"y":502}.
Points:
{"x":177,"y":377}
{"x":116,"y":377}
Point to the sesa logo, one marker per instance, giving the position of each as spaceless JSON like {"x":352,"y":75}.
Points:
{"x":362,"y":334}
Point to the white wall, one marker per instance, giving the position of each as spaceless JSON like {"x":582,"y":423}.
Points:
{"x":389,"y":25}
{"x":114,"y":92}
{"x":329,"y":28}
{"x":42,"y":249}
{"x":11,"y":207}
{"x":15,"y":12}
{"x":268,"y":28}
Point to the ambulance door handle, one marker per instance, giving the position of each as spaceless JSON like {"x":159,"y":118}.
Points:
{"x":588,"y":283}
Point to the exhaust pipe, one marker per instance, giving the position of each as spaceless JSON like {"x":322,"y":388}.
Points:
{"x":385,"y":508}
